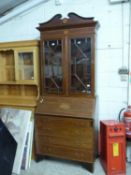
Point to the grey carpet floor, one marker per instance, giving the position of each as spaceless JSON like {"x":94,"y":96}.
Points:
{"x":62,"y":167}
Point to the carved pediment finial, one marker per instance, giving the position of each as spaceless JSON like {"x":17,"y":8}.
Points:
{"x":65,"y":20}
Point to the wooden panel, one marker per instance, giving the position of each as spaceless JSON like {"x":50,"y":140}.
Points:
{"x":18,"y":90}
{"x":31,"y":91}
{"x":7,"y":71}
{"x":18,"y":95}
{"x":3,"y":90}
{"x":17,"y":101}
{"x":14,"y":90}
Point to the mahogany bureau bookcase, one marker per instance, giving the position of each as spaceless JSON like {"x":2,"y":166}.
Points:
{"x":65,"y":114}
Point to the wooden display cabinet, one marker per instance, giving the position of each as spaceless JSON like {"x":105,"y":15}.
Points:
{"x":19,"y":76}
{"x":65,"y":120}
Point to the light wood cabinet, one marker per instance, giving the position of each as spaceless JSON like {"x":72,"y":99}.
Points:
{"x":19,"y":74}
{"x":65,"y":114}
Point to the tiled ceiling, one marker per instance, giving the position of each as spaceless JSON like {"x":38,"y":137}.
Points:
{"x":7,"y":5}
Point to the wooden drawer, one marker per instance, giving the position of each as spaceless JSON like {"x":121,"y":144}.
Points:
{"x":62,"y":126}
{"x":67,"y":142}
{"x":83,"y":155}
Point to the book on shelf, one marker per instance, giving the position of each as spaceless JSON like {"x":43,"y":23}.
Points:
{"x":19,"y":123}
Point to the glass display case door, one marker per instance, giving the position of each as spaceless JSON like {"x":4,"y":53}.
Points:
{"x":25,"y":65}
{"x":80,"y":65}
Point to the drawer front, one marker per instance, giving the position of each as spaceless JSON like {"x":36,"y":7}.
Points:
{"x":65,"y":127}
{"x":83,"y":155}
{"x":86,"y":143}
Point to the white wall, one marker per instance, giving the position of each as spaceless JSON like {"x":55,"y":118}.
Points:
{"x":112,"y":43}
{"x":130,"y":58}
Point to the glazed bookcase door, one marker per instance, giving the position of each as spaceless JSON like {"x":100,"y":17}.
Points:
{"x":80,"y":65}
{"x":25,"y":65}
{"x":53,"y":66}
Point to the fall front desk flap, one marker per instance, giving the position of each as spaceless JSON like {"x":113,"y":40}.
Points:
{"x":67,"y":106}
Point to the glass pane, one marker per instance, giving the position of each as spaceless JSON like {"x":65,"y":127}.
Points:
{"x":81,"y":65}
{"x":26,"y":66}
{"x":53,"y":66}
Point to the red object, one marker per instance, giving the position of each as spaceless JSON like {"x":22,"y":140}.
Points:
{"x":127,"y":121}
{"x":113,"y":147}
